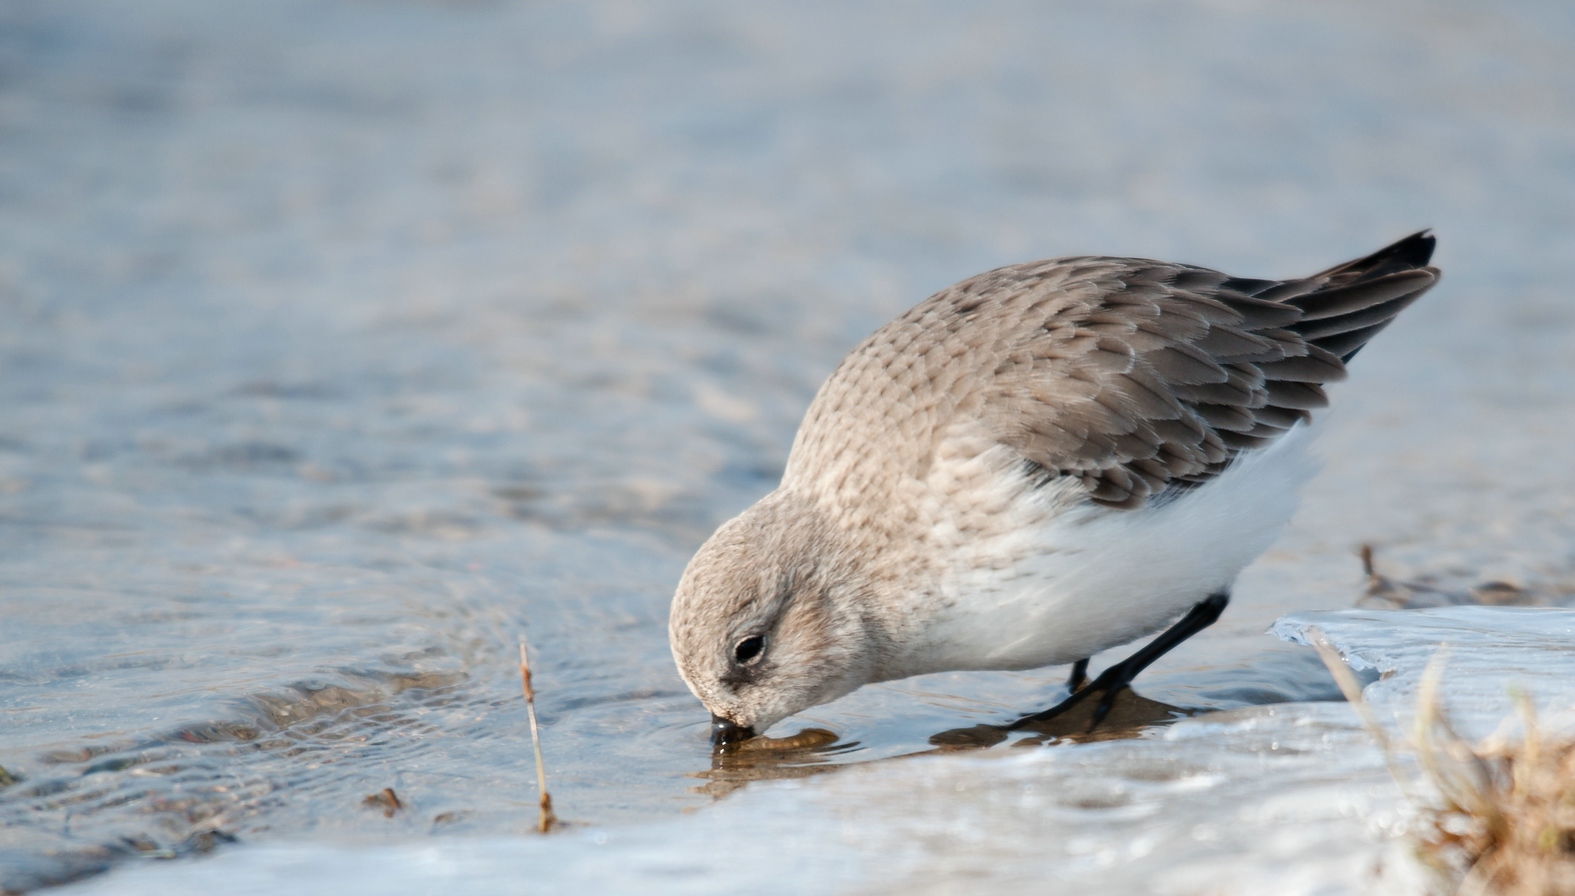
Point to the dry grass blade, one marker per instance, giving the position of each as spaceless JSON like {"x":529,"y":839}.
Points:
{"x":547,"y":819}
{"x":1352,"y":689}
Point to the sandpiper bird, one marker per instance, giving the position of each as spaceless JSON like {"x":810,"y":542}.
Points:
{"x":1040,"y":463}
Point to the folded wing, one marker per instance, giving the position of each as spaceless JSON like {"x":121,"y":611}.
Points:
{"x":1148,"y":377}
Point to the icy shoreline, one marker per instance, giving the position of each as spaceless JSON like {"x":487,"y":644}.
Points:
{"x":1292,"y":798}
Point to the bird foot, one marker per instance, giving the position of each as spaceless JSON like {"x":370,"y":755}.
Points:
{"x":1106,"y":687}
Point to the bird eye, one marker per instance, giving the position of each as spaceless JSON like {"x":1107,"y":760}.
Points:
{"x":748,"y":649}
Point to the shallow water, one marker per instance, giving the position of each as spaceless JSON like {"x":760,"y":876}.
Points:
{"x":1292,"y":798}
{"x":345,"y":342}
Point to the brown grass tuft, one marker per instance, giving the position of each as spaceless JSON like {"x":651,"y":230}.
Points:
{"x":1503,"y":820}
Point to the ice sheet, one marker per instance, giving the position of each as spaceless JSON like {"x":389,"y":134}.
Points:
{"x":1488,"y":654}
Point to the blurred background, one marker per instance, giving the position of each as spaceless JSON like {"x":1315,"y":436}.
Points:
{"x":341,"y":342}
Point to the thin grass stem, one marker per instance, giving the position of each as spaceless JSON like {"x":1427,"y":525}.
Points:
{"x":547,"y":819}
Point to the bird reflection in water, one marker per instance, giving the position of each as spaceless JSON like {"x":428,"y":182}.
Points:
{"x":815,"y":751}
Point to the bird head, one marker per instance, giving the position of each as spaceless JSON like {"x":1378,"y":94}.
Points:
{"x":767,"y":619}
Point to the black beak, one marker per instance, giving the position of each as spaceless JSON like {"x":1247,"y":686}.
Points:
{"x":724,"y":733}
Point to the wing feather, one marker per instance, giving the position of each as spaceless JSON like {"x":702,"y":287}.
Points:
{"x":1158,"y":375}
{"x":1130,"y":377}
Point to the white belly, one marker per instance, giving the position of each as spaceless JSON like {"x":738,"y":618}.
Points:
{"x":1074,"y":582}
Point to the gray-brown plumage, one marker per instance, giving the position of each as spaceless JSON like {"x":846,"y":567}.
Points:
{"x":1132,"y":375}
{"x":1041,"y":462}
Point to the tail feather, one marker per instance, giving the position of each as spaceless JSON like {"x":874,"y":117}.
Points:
{"x":1350,"y":303}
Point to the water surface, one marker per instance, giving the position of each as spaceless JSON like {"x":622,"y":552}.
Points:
{"x":343,"y":342}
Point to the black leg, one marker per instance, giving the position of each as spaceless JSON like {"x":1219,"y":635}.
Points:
{"x":1079,"y":675}
{"x":1114,"y":679}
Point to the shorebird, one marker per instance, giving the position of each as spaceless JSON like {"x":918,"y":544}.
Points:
{"x":1043,"y":462}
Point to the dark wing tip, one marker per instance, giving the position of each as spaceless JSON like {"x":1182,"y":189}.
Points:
{"x":1415,"y":251}
{"x":1359,"y":298}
